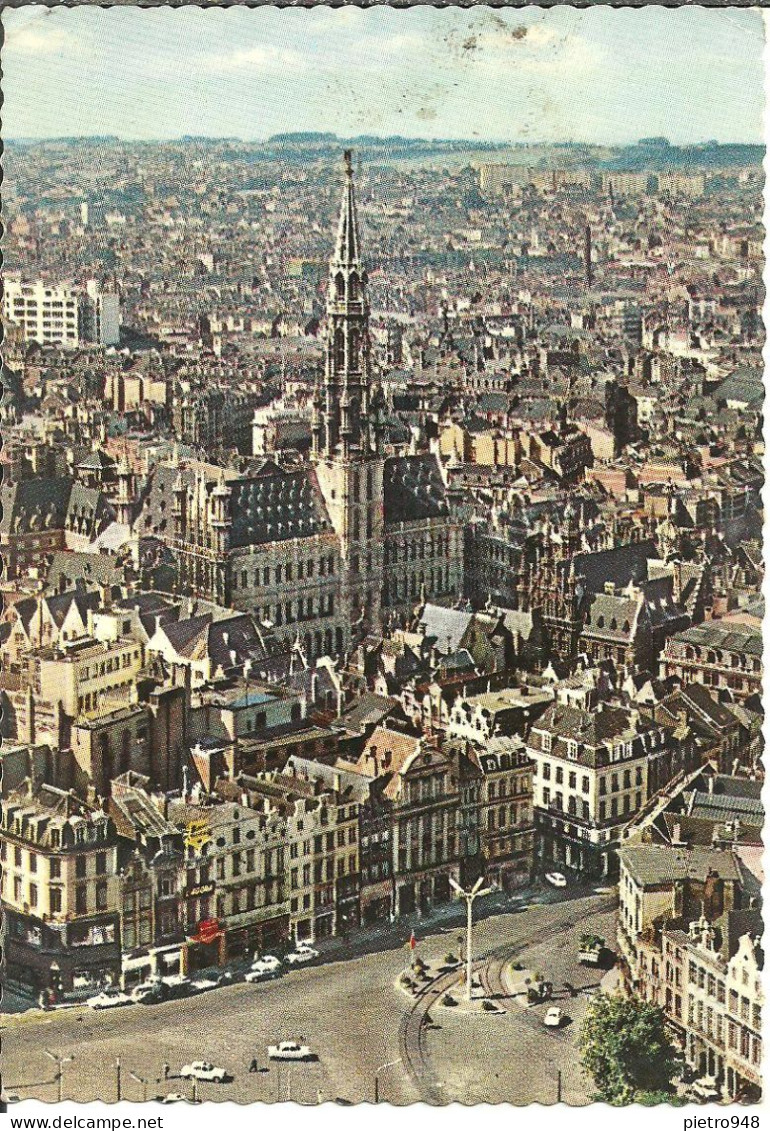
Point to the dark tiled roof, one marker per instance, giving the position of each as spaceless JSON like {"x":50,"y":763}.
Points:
{"x":620,"y":565}
{"x":275,"y":505}
{"x":34,"y":504}
{"x":413,"y":489}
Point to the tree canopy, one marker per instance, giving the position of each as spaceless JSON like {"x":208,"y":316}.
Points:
{"x":625,"y":1048}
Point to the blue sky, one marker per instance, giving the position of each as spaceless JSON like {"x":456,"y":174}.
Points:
{"x":597,"y":75}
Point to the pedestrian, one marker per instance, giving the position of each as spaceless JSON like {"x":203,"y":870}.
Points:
{"x":166,"y":1070}
{"x":254,"y":1067}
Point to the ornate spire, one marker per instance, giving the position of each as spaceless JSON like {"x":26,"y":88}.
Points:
{"x":347,"y":249}
{"x":341,"y":425}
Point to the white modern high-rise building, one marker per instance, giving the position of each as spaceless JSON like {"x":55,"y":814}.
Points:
{"x":60,"y":315}
{"x":46,"y":314}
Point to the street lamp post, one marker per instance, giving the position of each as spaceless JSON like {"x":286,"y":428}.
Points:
{"x":469,"y":897}
{"x":382,"y":1068}
{"x":59,"y":1061}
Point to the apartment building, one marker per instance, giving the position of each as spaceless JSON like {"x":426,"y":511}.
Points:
{"x":725,"y":656}
{"x":590,"y":776}
{"x":60,"y":891}
{"x":61,"y":314}
{"x":506,"y":821}
{"x":234,"y":897}
{"x":45,"y":313}
{"x":421,"y":785}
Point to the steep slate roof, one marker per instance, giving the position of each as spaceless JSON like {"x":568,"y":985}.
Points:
{"x":721,"y":807}
{"x":73,"y":566}
{"x":186,"y":636}
{"x":730,"y":636}
{"x":276,"y":505}
{"x":413,"y":489}
{"x":620,"y":565}
{"x":34,"y":504}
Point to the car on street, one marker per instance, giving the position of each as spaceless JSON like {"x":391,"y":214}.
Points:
{"x":303,"y":952}
{"x":150,"y":992}
{"x":266,"y":962}
{"x":110,"y":998}
{"x":264,"y":968}
{"x":289,"y":1050}
{"x":553,"y":1017}
{"x":202,"y":1070}
{"x":203,"y":985}
{"x":178,"y":987}
{"x":262,"y":974}
{"x":173,"y":1098}
{"x":556,"y":879}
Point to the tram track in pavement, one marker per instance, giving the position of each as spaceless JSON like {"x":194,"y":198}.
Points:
{"x":490,"y":964}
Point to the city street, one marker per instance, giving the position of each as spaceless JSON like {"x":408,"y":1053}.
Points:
{"x":352,"y":1016}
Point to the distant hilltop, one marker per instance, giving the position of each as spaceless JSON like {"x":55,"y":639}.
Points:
{"x":651,"y":154}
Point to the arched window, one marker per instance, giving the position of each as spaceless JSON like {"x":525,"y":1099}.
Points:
{"x":339,"y":285}
{"x":354,"y":289}
{"x":339,"y":347}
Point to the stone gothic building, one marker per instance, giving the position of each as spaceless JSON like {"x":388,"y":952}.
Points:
{"x":329,"y":550}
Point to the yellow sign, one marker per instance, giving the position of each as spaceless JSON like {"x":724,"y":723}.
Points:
{"x":197,"y":835}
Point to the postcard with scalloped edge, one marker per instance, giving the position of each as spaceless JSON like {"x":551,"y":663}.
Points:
{"x":382,"y":556}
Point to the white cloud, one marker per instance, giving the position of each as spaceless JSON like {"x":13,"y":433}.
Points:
{"x":262,"y":59}
{"x":40,"y":38}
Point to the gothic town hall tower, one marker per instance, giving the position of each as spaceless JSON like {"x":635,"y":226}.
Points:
{"x":346,"y":441}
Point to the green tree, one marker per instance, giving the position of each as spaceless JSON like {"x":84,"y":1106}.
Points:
{"x":625,"y":1048}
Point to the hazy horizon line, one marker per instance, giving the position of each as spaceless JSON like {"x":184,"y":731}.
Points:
{"x":500,"y":143}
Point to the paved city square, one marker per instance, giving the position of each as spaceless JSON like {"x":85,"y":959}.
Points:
{"x":350,"y":1013}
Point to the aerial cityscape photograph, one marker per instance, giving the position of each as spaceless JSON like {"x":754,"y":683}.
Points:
{"x":382,"y":559}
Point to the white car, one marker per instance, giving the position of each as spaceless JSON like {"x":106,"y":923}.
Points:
{"x":109,"y":999}
{"x":268,"y":964}
{"x":289,"y":1050}
{"x":202,"y":1070}
{"x":173,"y":1098}
{"x":303,"y":952}
{"x":556,"y":879}
{"x":553,"y":1017}
{"x":203,"y":985}
{"x":263,"y":972}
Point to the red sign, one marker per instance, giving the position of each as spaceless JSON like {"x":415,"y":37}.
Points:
{"x":208,"y":930}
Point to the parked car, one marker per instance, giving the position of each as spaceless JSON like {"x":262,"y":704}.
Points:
{"x":263,"y":973}
{"x":266,"y":962}
{"x":203,"y":985}
{"x":173,"y":1098}
{"x":108,"y":999}
{"x":303,"y":952}
{"x":202,"y":1070}
{"x":289,"y":1050}
{"x":178,"y":986}
{"x":150,"y":992}
{"x":556,"y":879}
{"x":553,"y":1017}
